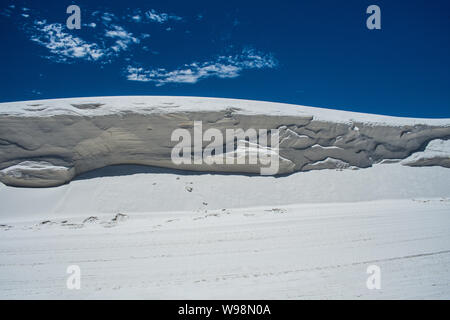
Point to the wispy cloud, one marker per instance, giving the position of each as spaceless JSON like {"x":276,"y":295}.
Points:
{"x":136,"y":18}
{"x":222,"y":67}
{"x":105,"y":17}
{"x":64,"y":45}
{"x":152,"y":15}
{"x":7,"y":12}
{"x":161,"y":17}
{"x":107,"y":39}
{"x":124,"y":38}
{"x":108,"y":17}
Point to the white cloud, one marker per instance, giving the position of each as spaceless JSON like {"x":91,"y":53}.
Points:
{"x":108,"y":17}
{"x":124,"y":38}
{"x":64,"y":45}
{"x":222,"y":67}
{"x":137,"y":18}
{"x":119,"y":32}
{"x":161,"y":17}
{"x":152,"y":15}
{"x":109,"y":40}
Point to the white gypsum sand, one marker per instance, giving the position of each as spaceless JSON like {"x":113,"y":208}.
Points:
{"x":82,"y":134}
{"x":307,"y":235}
{"x":147,"y":232}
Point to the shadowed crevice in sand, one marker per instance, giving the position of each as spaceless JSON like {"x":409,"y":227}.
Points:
{"x":126,"y":170}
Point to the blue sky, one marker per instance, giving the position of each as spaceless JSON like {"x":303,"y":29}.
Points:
{"x":316,"y":53}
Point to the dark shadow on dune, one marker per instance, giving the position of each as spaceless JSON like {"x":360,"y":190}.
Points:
{"x":125,"y":170}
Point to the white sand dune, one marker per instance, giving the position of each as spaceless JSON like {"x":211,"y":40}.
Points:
{"x":186,"y":236}
{"x":46,"y":143}
{"x":135,"y":189}
{"x":145,"y":232}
